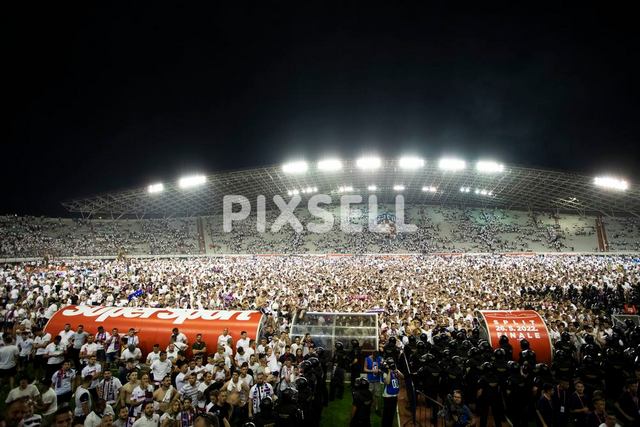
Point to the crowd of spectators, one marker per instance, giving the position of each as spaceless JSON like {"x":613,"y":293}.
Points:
{"x":427,"y":308}
{"x":439,"y":230}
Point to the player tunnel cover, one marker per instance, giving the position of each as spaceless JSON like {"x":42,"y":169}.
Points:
{"x":154,"y":325}
{"x":518,"y":325}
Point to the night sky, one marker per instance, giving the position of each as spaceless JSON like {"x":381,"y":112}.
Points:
{"x":108,"y":98}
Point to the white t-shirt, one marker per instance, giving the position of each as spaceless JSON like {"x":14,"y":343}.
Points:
{"x":93,"y":420}
{"x":55,"y":353}
{"x":17,"y":393}
{"x":94,"y":371}
{"x":66,"y":336}
{"x":154,"y":421}
{"x":243,"y":343}
{"x":152,"y":357}
{"x":161,"y":369}
{"x":8,"y":355}
{"x":49,"y":396}
{"x":44,"y":339}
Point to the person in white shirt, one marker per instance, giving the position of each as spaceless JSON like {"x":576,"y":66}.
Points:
{"x":40,"y":342}
{"x":65,"y":335}
{"x":54,"y":353}
{"x":93,"y":370}
{"x":181,"y":378}
{"x":113,"y":346}
{"x":83,"y":401}
{"x":244,"y":341}
{"x":8,"y":360}
{"x":179,"y":339}
{"x":62,"y":381}
{"x":222,"y":356}
{"x":153,"y":355}
{"x":131,"y":352}
{"x":149,"y":418}
{"x":161,"y":368}
{"x":142,"y":392}
{"x":223,"y":339}
{"x":24,"y":389}
{"x":90,"y":348}
{"x":240,"y":357}
{"x":49,"y":400}
{"x":109,"y":388}
{"x":172,"y":353}
{"x":132,"y":338}
{"x":26,"y":348}
{"x":259,"y":391}
{"x":98,"y":415}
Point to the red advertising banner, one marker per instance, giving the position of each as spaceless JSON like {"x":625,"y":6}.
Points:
{"x":154,"y":325}
{"x":517,"y":325}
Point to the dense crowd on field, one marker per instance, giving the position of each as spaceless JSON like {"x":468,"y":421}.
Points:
{"x":427,"y":311}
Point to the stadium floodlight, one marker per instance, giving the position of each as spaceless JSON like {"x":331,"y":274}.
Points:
{"x":155,"y":188}
{"x":191,"y":181}
{"x":295,"y":167}
{"x":345,"y":189}
{"x":465,"y":189}
{"x":309,"y":190}
{"x":611,"y":183}
{"x":484,"y":192}
{"x":398,"y":188}
{"x":410,"y":163}
{"x":450,"y":164}
{"x":489,"y":167}
{"x":330,"y":165}
{"x":372,"y":188}
{"x":368,"y":163}
{"x":429,"y":189}
{"x":295,"y":192}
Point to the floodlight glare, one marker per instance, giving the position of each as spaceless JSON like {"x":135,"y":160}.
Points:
{"x":372,"y":188}
{"x":429,"y":189}
{"x":330,"y":165}
{"x":489,"y":167}
{"x":410,"y":163}
{"x":448,"y":164}
{"x":191,"y":181}
{"x":368,"y":163}
{"x":295,"y":167}
{"x":611,"y":183}
{"x":465,"y":189}
{"x":155,"y":188}
{"x":398,"y":188}
{"x":345,"y":189}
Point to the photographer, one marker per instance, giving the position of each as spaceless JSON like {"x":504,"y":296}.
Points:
{"x":456,"y":413}
{"x":391,"y":378}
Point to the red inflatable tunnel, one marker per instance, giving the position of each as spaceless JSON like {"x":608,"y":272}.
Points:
{"x":154,"y":325}
{"x":516,"y":325}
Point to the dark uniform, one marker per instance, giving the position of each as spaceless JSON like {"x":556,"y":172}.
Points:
{"x":362,"y":401}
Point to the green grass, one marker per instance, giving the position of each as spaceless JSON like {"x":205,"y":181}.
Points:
{"x":338,"y":413}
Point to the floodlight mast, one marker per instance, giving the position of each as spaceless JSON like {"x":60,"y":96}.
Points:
{"x":191,"y":181}
{"x":155,"y":188}
{"x":611,"y":183}
{"x":487,"y":166}
{"x":451,"y":164}
{"x":295,"y":167}
{"x":410,"y":163}
{"x":330,"y":165}
{"x":368,"y":163}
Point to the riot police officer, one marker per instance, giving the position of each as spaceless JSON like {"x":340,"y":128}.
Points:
{"x":362,"y":401}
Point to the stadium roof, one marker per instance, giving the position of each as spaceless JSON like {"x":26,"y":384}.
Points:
{"x":512,"y":188}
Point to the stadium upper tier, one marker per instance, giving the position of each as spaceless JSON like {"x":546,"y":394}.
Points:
{"x":439,"y":229}
{"x":444,"y":183}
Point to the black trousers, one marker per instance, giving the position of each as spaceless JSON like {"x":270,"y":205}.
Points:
{"x":389,"y":410}
{"x":336,"y":387}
